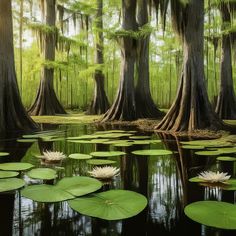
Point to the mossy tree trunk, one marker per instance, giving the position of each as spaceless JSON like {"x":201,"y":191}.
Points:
{"x":46,"y":102}
{"x":13,"y":116}
{"x":191,"y":109}
{"x":145,"y":105}
{"x":124,"y":107}
{"x":226,"y":102}
{"x":100,"y":102}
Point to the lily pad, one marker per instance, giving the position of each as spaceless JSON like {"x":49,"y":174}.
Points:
{"x":139,"y":137}
{"x":193,"y":147}
{"x":110,"y":205}
{"x":8,"y":174}
{"x":208,"y":153}
{"x":46,"y":193}
{"x":11,"y":184}
{"x":3,"y":154}
{"x":100,"y":162}
{"x":42,"y":173}
{"x":80,"y":156}
{"x":152,"y":152}
{"x":226,"y":158}
{"x":79,"y":185}
{"x":107,"y":154}
{"x":27,"y":140}
{"x":99,"y":141}
{"x":123,"y":144}
{"x":15,"y":166}
{"x":213,"y":213}
{"x":227,"y":150}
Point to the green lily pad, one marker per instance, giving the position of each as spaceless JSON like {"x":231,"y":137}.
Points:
{"x":3,"y":154}
{"x":46,"y":193}
{"x":196,"y":180}
{"x":79,"y":185}
{"x":15,"y":166}
{"x":80,"y":141}
{"x":11,"y":184}
{"x":152,"y":152}
{"x":27,"y":140}
{"x":100,"y":162}
{"x":99,"y":141}
{"x":193,"y":147}
{"x":80,"y":156}
{"x":213,"y":213}
{"x":227,"y":150}
{"x":110,"y":205}
{"x":124,"y":144}
{"x":208,"y":153}
{"x":8,"y":174}
{"x":107,"y":154}
{"x":42,"y":173}
{"x":226,"y":158}
{"x":82,"y":137}
{"x":139,"y":137}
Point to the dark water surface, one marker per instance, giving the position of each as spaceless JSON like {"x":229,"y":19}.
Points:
{"x":162,"y":179}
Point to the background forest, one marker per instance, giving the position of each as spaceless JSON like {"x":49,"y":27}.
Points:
{"x":75,"y":64}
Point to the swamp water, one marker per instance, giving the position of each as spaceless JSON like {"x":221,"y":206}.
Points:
{"x":163,"y":179}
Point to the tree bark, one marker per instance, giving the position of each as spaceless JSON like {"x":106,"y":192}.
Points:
{"x":226,"y":101}
{"x":191,"y":109}
{"x":46,"y":102}
{"x":145,"y":105}
{"x":100,"y":102}
{"x":124,"y":107}
{"x":13,"y":116}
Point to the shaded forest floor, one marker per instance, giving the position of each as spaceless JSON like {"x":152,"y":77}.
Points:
{"x":141,"y":124}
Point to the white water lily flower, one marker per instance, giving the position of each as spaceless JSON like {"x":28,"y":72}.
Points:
{"x":214,"y":177}
{"x":105,"y":172}
{"x":53,"y":156}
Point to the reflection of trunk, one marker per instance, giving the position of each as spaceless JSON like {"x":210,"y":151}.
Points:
{"x":226,"y":102}
{"x":7,"y":209}
{"x":124,"y":107}
{"x":12,"y":113}
{"x":100,"y":102}
{"x":46,"y":102}
{"x":145,"y":105}
{"x":191,"y":109}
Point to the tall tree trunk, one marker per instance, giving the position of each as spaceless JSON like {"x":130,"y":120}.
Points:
{"x":46,"y":102}
{"x":13,"y":116}
{"x":21,"y":42}
{"x":191,"y":109}
{"x":145,"y":105}
{"x":123,"y":107}
{"x":226,"y":102}
{"x":100,"y":102}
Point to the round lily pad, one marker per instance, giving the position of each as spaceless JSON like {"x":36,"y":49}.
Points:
{"x":107,"y":154}
{"x":79,"y":185}
{"x":46,"y":193}
{"x":152,"y":152}
{"x":208,"y":153}
{"x":193,"y":147}
{"x":15,"y":166}
{"x":100,"y":162}
{"x":11,"y":184}
{"x":27,"y":140}
{"x":8,"y":174}
{"x":139,"y":137}
{"x":123,"y":144}
{"x":3,"y":154}
{"x":213,"y":213}
{"x":226,"y":158}
{"x":42,"y":173}
{"x":80,"y":156}
{"x":226,"y":150}
{"x":110,"y":205}
{"x":99,"y":141}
